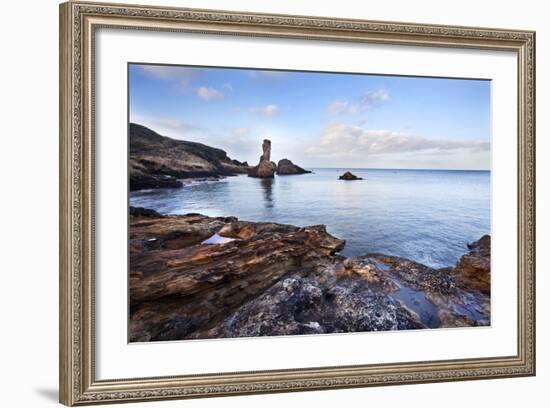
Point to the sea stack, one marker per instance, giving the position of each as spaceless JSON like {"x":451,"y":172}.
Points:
{"x":266,"y":168}
{"x":286,"y":167}
{"x":349,"y":176}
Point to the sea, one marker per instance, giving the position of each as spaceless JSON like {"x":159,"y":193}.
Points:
{"x":428,"y":216}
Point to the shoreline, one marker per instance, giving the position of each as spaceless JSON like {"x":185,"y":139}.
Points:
{"x":276,"y":279}
{"x":192,"y":177}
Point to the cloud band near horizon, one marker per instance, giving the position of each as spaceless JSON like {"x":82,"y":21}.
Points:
{"x":319,"y":119}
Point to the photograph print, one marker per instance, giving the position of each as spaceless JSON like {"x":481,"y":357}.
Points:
{"x":281,"y":203}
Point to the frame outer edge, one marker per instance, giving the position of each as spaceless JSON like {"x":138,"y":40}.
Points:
{"x":534,"y":237}
{"x":66,"y":358}
{"x":532,"y":167}
{"x":77,"y":385}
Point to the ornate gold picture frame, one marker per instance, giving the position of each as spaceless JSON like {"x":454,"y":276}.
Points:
{"x":78,"y":24}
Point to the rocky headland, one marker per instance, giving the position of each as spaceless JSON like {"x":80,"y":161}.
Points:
{"x":157,"y":161}
{"x":196,"y":277}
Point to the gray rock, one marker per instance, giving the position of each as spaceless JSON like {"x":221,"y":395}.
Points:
{"x":285,"y":167}
{"x":349,"y":176}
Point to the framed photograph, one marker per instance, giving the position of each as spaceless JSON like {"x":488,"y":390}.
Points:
{"x":256,"y":203}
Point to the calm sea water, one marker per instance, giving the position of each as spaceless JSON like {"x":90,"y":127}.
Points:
{"x":425,"y":215}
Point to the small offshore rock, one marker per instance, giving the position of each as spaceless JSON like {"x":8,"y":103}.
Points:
{"x":349,"y":176}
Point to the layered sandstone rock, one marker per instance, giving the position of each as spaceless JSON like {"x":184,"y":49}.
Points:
{"x":273,"y":279}
{"x":474,"y":269}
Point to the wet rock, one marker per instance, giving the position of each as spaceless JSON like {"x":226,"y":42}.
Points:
{"x":188,"y":280}
{"x":349,"y":176}
{"x":143,"y":212}
{"x":457,"y":303}
{"x":286,"y":167}
{"x":418,"y":276}
{"x":266,"y":279}
{"x":141,"y":181}
{"x":312,"y":305}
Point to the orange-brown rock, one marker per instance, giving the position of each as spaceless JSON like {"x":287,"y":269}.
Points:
{"x":198,"y":282}
{"x":265,"y":168}
{"x":256,"y":279}
{"x":474,"y":269}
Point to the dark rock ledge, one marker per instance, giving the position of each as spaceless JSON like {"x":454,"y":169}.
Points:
{"x":273,"y":279}
{"x":157,"y":161}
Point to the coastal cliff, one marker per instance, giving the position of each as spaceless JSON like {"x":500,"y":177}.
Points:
{"x":157,"y":161}
{"x":193,"y":277}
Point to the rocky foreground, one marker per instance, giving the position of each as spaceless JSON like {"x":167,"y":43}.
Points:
{"x":196,"y":277}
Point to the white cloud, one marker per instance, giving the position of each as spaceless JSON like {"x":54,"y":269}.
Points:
{"x":228,"y":86}
{"x":338,"y":107}
{"x":373,"y":99}
{"x":171,"y":73}
{"x":342,"y":141}
{"x":171,"y":127}
{"x":208,"y":93}
{"x":243,"y":144}
{"x":366,"y":102}
{"x":241,"y":131}
{"x":268,"y":110}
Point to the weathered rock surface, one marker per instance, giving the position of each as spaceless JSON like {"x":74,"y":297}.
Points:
{"x":286,"y":167}
{"x":176,"y":279}
{"x":274,"y":279}
{"x":158,"y":161}
{"x":265,"y":168}
{"x":474,"y":269}
{"x":349,"y":176}
{"x":454,"y":303}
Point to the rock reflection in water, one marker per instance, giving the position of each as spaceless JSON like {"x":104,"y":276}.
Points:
{"x":267,"y":190}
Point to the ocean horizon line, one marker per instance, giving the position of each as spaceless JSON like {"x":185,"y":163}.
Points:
{"x":392,"y":169}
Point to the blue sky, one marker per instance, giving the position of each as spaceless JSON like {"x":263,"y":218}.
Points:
{"x":319,"y":119}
